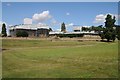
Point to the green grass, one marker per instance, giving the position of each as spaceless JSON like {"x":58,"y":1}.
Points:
{"x":0,"y":64}
{"x":59,"y":59}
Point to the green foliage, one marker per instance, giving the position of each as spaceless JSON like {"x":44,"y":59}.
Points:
{"x":85,"y":29}
{"x":109,"y":21}
{"x":102,"y":36}
{"x":108,"y":35}
{"x":70,"y":35}
{"x":50,"y":29}
{"x":18,"y":34}
{"x":109,"y":32}
{"x":63,"y":28}
{"x":93,"y":28}
{"x":4,"y":33}
{"x":97,"y":29}
{"x":22,"y":34}
{"x":118,"y":31}
{"x":113,"y":35}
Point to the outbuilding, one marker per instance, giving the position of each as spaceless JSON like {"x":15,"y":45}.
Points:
{"x":33,"y":30}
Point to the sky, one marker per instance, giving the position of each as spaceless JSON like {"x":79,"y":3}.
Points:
{"x":60,"y":0}
{"x":54,"y":13}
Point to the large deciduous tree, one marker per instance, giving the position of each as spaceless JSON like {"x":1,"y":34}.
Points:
{"x":118,"y":31}
{"x":109,"y":31}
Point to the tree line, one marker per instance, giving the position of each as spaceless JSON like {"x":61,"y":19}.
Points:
{"x":93,"y":28}
{"x":110,"y":31}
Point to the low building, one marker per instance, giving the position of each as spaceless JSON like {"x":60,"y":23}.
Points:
{"x":77,"y":28}
{"x":73,"y":34}
{"x":33,"y":30}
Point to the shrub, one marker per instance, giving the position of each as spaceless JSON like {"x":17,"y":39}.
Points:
{"x":22,"y":34}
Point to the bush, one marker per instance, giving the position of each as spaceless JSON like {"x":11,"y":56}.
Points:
{"x":22,"y":34}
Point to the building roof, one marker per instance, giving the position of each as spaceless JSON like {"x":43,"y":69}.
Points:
{"x":30,"y":26}
{"x":56,"y":32}
{"x":77,"y":28}
{"x":82,"y":32}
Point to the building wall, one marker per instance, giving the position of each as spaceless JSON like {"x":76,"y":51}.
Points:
{"x":31,"y":33}
{"x":42,"y":33}
{"x":13,"y":33}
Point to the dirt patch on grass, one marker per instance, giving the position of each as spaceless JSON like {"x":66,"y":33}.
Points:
{"x":3,"y":49}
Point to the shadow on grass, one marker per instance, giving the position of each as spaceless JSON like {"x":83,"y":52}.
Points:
{"x":3,"y":49}
{"x":104,"y":41}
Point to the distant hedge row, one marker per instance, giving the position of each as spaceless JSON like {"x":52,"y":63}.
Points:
{"x":69,"y":35}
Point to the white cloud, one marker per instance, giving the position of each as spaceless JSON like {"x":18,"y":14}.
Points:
{"x":27,"y":21}
{"x":70,"y":24}
{"x":58,"y":30}
{"x":54,"y":22}
{"x":67,"y":14}
{"x":42,"y":24}
{"x":101,"y":17}
{"x":45,"y":15}
{"x":117,"y":16}
{"x":86,"y":26}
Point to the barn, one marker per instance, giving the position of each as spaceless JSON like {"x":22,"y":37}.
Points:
{"x":33,"y":30}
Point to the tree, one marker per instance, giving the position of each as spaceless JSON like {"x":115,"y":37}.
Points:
{"x":109,"y":32}
{"x":50,"y":29}
{"x":113,"y":35}
{"x":63,"y":28}
{"x":86,"y":29}
{"x":4,"y":33}
{"x":109,"y":21}
{"x":97,"y":28}
{"x":108,"y":35}
{"x":118,"y":31}
{"x":102,"y":36}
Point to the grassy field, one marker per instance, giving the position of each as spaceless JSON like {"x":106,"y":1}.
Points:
{"x":59,"y":59}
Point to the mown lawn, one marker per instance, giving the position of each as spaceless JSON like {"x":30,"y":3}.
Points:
{"x":59,"y":59}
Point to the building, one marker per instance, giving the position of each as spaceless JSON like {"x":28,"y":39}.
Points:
{"x":42,"y":30}
{"x":77,"y":34}
{"x":77,"y":28}
{"x":33,"y":30}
